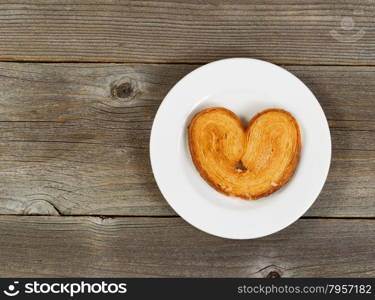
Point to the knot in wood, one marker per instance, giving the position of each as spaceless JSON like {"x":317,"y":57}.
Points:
{"x":123,"y":90}
{"x":273,"y":274}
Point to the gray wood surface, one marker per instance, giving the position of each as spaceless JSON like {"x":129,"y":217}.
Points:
{"x":147,"y":247}
{"x":289,"y":32}
{"x":74,"y":135}
{"x":74,"y":138}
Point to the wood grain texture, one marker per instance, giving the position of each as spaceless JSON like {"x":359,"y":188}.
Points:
{"x":289,"y":32}
{"x":162,"y":247}
{"x":74,"y":137}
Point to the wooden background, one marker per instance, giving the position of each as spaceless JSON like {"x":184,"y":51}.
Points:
{"x":80,"y":83}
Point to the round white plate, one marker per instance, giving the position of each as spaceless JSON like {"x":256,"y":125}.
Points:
{"x":245,"y":86}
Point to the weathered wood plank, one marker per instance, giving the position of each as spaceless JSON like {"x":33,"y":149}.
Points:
{"x":289,"y":32}
{"x":74,"y":137}
{"x":161,"y":247}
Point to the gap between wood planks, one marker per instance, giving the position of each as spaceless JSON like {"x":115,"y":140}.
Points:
{"x":51,"y":61}
{"x":169,"y":217}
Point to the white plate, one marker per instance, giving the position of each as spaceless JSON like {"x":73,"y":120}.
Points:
{"x":245,"y":86}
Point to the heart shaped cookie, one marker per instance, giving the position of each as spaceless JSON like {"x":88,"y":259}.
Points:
{"x":248,"y":163}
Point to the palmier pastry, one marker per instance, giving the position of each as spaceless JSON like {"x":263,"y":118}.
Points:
{"x":251,"y":162}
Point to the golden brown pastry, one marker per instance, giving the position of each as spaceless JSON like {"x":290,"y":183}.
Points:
{"x":247,"y":163}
